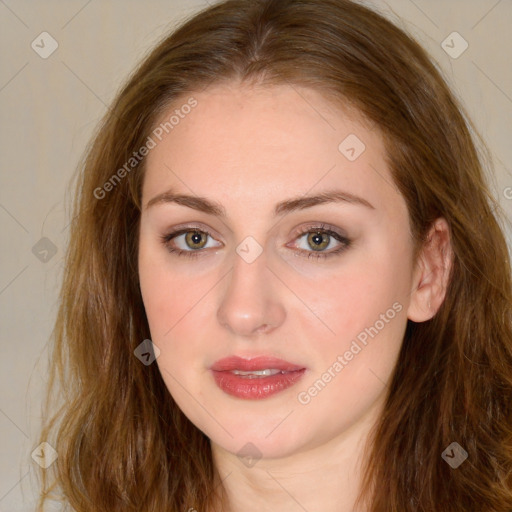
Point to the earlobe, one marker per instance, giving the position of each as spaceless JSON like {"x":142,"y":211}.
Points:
{"x":432,"y":272}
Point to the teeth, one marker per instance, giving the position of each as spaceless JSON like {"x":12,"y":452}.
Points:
{"x":257,"y":373}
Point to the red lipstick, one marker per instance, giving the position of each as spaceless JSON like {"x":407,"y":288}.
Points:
{"x":255,"y":378}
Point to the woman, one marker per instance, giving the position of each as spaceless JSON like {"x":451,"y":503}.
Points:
{"x":286,"y":285}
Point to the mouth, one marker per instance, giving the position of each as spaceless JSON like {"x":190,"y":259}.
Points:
{"x":257,"y":378}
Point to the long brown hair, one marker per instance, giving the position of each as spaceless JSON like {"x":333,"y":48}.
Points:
{"x":122,"y":442}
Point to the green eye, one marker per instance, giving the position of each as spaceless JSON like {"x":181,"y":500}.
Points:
{"x":318,"y":239}
{"x":194,"y":239}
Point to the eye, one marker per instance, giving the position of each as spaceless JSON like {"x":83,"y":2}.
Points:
{"x":319,"y":238}
{"x":191,"y":243}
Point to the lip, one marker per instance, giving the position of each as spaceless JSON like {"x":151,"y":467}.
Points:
{"x":255,"y":363}
{"x":259,"y":387}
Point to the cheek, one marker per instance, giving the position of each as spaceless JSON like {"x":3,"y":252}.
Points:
{"x":346,"y":301}
{"x":156,"y":295}
{"x":168,"y":302}
{"x":168,"y":296}
{"x":179,"y":309}
{"x":360,"y":315}
{"x":353,"y":363}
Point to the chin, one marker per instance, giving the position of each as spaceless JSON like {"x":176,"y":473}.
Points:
{"x":268,"y":436}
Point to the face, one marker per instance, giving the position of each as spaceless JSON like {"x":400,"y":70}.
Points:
{"x":248,"y":267}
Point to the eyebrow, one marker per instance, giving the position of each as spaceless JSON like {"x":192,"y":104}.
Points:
{"x":299,"y":203}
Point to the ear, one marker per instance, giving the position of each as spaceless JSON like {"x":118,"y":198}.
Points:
{"x":431,"y":273}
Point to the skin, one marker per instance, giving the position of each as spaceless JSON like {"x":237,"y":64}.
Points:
{"x":248,"y":148}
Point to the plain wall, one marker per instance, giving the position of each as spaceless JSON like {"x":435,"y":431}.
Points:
{"x":51,"y":106}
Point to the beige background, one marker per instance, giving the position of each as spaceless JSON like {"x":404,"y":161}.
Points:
{"x":50,"y":107}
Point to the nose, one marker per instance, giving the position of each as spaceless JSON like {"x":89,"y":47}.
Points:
{"x":251,"y":302}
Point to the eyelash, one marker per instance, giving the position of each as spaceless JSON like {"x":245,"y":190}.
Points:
{"x":311,"y":254}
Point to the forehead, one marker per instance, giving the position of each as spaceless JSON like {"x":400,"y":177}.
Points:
{"x":257,"y":143}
